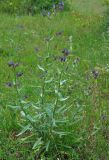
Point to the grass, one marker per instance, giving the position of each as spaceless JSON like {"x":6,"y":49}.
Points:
{"x":67,"y":101}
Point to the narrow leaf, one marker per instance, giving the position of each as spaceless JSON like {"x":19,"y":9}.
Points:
{"x":24,"y":130}
{"x":37,"y":143}
{"x":64,"y":99}
{"x":41,"y":68}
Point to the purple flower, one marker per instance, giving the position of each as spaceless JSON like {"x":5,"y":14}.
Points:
{"x":103,"y":117}
{"x":49,"y":14}
{"x":59,"y":33}
{"x":95,"y":74}
{"x":62,"y":59}
{"x":37,"y":49}
{"x":61,"y":5}
{"x":19,"y":74}
{"x":11,"y":64}
{"x":25,"y":97}
{"x":9,"y":84}
{"x":65,"y":51}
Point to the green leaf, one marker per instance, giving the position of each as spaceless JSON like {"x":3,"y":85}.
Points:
{"x":49,"y":81}
{"x":14,"y":107}
{"x":61,"y":109}
{"x":37,"y":143}
{"x":24,"y":130}
{"x":58,"y":93}
{"x":41,"y":68}
{"x":49,"y":111}
{"x":30,"y":118}
{"x":60,"y":133}
{"x":54,"y":122}
{"x":25,"y":139}
{"x":64,"y":99}
{"x":47,"y":146}
{"x":62,"y":82}
{"x":22,"y":114}
{"x":61,"y":121}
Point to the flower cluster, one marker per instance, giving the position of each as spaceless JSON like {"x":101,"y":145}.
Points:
{"x":13,"y":65}
{"x":95,"y":74}
{"x":65,"y":52}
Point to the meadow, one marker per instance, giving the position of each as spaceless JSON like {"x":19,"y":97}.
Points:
{"x":54,"y":84}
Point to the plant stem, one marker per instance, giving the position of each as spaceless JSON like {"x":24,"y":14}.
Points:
{"x":18,"y":95}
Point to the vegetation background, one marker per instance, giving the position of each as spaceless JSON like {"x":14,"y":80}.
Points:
{"x":54,"y":80}
{"x":27,"y":6}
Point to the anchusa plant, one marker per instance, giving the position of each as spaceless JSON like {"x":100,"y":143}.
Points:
{"x":44,"y":120}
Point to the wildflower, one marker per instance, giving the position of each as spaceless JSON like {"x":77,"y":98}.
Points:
{"x":65,"y":51}
{"x":103,"y":117}
{"x":59,"y":33}
{"x":61,"y":5}
{"x":19,"y":74}
{"x":25,"y":97}
{"x":11,"y":64}
{"x":49,"y":14}
{"x":9,"y":84}
{"x":37,"y":49}
{"x":95,"y":74}
{"x":62,"y":59}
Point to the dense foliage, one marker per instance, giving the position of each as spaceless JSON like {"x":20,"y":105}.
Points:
{"x":28,"y":6}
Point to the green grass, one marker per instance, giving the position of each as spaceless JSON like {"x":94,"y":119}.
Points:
{"x":84,"y":79}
